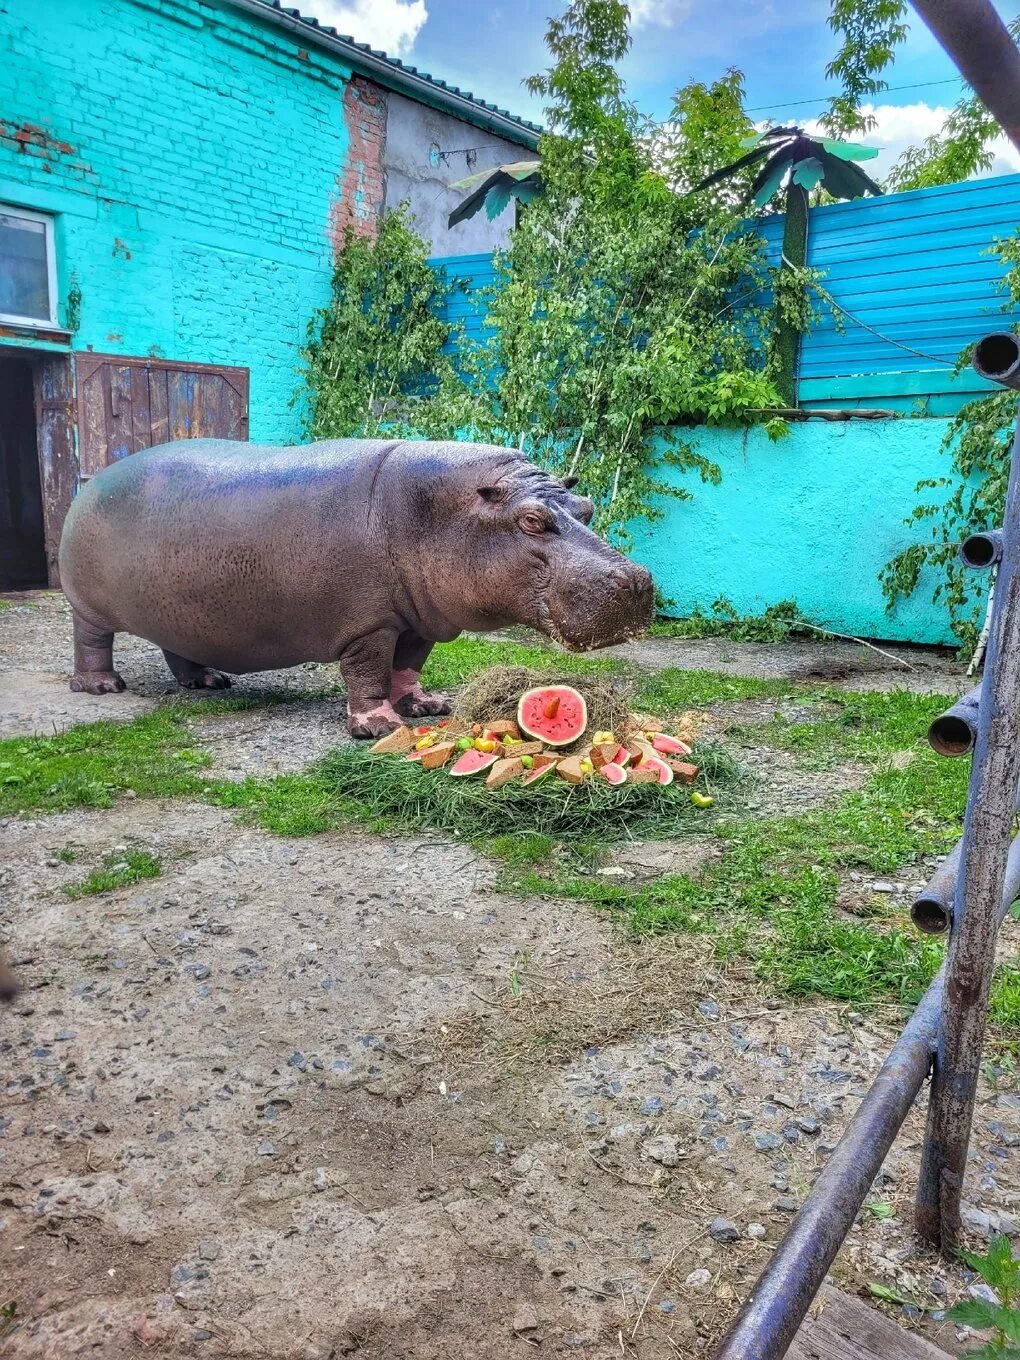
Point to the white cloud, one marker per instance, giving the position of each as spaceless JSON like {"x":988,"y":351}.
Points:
{"x":665,"y":13}
{"x":392,"y":25}
{"x":898,"y":126}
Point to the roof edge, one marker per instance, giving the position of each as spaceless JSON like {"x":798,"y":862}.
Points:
{"x":391,"y":73}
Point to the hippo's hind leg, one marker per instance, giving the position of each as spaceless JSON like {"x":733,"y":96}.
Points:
{"x":406,"y":693}
{"x":190,"y":675}
{"x":93,"y":659}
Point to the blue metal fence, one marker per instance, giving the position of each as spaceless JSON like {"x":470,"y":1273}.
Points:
{"x":914,"y":274}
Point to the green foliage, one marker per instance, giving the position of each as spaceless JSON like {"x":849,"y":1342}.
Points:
{"x":369,"y":350}
{"x":120,"y":869}
{"x":971,"y":497}
{"x":779,"y":623}
{"x":871,"y":30}
{"x":1002,"y":1273}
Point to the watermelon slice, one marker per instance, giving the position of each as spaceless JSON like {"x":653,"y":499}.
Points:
{"x":555,"y":714}
{"x":622,"y":756}
{"x":670,"y":746}
{"x":660,"y":767}
{"x":543,"y":765}
{"x":615,"y":774}
{"x":473,"y":762}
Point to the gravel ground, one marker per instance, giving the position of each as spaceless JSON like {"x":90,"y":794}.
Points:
{"x":306,"y":1099}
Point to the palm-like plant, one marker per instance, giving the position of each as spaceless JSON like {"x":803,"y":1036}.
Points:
{"x":495,"y":188}
{"x":791,"y":156}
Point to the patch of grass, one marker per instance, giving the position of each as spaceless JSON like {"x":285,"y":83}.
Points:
{"x":120,"y":869}
{"x":779,"y":623}
{"x":531,"y":847}
{"x":380,"y":792}
{"x":67,"y":855}
{"x":672,"y":689}
{"x":453,"y":663}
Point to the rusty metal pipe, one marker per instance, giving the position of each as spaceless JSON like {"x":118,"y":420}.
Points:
{"x":768,"y":1321}
{"x":954,"y":732}
{"x":979,"y":551}
{"x":932,"y":909}
{"x":997,"y":358}
{"x":979,"y":43}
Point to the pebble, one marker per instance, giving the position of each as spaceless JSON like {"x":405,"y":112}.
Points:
{"x":881,"y":886}
{"x":767,"y":1142}
{"x":266,"y":1148}
{"x":663,"y":1148}
{"x":983,"y":1292}
{"x":525,"y":1318}
{"x":756,"y":1231}
{"x":724,"y":1230}
{"x":808,"y":1125}
{"x":698,"y":1279}
{"x":208,"y":1251}
{"x":709,"y":1008}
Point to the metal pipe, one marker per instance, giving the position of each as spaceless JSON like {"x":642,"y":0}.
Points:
{"x":932,"y":909}
{"x":981,"y":881}
{"x":979,"y":43}
{"x":978,"y":551}
{"x":997,"y":358}
{"x":768,"y":1321}
{"x":954,"y":732}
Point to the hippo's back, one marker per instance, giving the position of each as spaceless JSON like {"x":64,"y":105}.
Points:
{"x":220,"y":551}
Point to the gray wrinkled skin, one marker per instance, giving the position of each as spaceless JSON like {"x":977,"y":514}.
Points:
{"x":240,"y":557}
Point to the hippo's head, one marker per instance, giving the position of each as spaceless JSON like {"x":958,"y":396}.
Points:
{"x":527,"y":556}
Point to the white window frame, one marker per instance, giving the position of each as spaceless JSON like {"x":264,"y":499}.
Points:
{"x":11,"y":318}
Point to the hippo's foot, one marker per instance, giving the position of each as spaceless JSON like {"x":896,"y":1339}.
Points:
{"x":208,"y":679}
{"x":417,"y":703}
{"x":372,"y":722}
{"x":97,"y":682}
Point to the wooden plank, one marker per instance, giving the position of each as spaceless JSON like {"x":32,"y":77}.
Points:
{"x":58,"y":466}
{"x":141,"y":416}
{"x":839,"y":1327}
{"x":159,"y":406}
{"x":119,"y":419}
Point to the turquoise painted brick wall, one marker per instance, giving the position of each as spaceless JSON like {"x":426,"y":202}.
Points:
{"x":191,"y":155}
{"x":812,"y":518}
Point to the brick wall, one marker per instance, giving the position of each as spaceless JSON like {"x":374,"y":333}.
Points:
{"x":192,"y":158}
{"x":363,"y":179}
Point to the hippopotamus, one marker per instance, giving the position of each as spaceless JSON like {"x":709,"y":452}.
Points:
{"x":237,"y":557}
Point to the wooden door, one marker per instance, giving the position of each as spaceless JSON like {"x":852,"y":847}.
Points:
{"x":125,"y":405}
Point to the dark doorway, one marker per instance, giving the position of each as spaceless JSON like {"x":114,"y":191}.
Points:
{"x":22,"y":542}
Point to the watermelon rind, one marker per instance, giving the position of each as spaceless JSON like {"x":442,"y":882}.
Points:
{"x":542,"y":728}
{"x":665,"y":773}
{"x":539,"y":772}
{"x":613,"y":773}
{"x":473,"y":762}
{"x":670,"y":746}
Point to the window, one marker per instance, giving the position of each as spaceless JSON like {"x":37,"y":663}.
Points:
{"x":28,"y":273}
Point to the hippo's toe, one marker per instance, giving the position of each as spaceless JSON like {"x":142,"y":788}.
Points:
{"x":419,"y":704}
{"x":209,"y":679}
{"x":373,"y":722}
{"x":97,"y":682}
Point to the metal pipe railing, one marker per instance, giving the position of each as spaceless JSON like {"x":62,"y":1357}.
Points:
{"x":986,"y":56}
{"x":970,"y":894}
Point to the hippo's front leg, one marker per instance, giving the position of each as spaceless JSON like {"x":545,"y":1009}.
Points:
{"x":406,"y":693}
{"x":365,"y":665}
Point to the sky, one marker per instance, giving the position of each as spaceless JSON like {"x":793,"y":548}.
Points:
{"x":782,"y":46}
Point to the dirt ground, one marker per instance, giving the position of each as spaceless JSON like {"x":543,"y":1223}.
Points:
{"x":336,"y":1096}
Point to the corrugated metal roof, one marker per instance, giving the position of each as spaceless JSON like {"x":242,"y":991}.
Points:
{"x":361,"y":55}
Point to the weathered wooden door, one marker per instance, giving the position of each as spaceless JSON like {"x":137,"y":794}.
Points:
{"x":125,"y":405}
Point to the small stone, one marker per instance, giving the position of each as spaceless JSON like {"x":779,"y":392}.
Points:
{"x":983,"y":1292}
{"x":651,"y":1105}
{"x":881,"y":886}
{"x":709,"y":1008}
{"x":266,"y":1148}
{"x":756,"y":1231}
{"x":989,"y":1224}
{"x":208,"y":1251}
{"x":320,"y":1179}
{"x":664,"y":1148}
{"x":808,"y":1125}
{"x":666,"y":1306}
{"x":200,"y":971}
{"x":767,"y":1142}
{"x":724,"y":1230}
{"x":787,"y":1204}
{"x":698,"y":1279}
{"x":525,"y":1318}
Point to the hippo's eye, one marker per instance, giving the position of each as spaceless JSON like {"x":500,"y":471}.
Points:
{"x":533,"y":523}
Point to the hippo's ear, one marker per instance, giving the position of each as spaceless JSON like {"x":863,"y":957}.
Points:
{"x":570,"y":482}
{"x":493,"y":494}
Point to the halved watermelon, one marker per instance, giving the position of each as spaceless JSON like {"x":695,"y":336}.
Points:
{"x":660,"y":767}
{"x":473,"y":762}
{"x":670,"y":746}
{"x":555,"y":714}
{"x":615,"y":774}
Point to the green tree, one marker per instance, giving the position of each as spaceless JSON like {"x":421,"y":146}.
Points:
{"x":870,"y":30}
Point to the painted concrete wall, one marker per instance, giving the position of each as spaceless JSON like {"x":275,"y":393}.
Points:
{"x":812,"y":518}
{"x":190,"y":156}
{"x":415,"y":137}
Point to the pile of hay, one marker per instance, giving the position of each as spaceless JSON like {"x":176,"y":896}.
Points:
{"x":494,"y":694}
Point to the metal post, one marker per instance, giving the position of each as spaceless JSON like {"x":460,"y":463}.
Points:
{"x":979,"y":43}
{"x":987,"y":832}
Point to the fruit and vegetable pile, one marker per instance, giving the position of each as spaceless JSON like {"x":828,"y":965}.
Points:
{"x":550,"y":737}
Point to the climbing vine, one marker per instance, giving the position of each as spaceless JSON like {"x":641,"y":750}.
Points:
{"x":978,"y":442}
